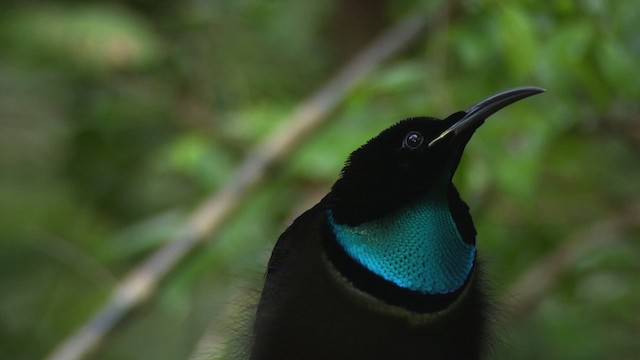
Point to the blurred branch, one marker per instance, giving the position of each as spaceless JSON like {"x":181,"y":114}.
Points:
{"x":530,"y":288}
{"x":141,"y":282}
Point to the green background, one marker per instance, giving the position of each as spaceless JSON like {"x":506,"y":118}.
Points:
{"x":117,"y":119}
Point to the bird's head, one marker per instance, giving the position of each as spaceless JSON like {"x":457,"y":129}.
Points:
{"x":407,"y":159}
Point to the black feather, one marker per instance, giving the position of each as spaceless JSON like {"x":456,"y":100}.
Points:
{"x":307,"y":312}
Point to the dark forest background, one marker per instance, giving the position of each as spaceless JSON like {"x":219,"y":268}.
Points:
{"x":118,"y":118}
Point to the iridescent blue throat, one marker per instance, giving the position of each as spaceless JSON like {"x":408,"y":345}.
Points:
{"x":417,"y":247}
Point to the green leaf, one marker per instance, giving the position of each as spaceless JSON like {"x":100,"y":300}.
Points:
{"x":92,"y":37}
{"x":516,"y":27}
{"x":619,"y":67}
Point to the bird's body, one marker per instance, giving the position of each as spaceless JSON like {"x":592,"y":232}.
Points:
{"x":385,"y":266}
{"x":310,"y":310}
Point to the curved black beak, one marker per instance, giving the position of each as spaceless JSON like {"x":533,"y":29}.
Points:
{"x":475,"y":115}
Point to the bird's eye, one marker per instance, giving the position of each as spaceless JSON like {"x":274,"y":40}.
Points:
{"x":413,"y":140}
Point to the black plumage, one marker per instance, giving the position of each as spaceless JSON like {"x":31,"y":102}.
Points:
{"x":324,"y":298}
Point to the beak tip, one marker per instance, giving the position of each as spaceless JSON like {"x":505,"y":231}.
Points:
{"x":534,"y":89}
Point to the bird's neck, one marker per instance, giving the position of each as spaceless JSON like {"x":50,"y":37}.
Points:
{"x":417,"y":247}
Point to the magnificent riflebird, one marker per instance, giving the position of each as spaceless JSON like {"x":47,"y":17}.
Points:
{"x":385,"y":265}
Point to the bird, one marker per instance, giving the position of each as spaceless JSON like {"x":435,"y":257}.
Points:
{"x":385,"y":265}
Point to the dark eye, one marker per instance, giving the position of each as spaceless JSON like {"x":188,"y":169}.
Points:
{"x":413,"y":140}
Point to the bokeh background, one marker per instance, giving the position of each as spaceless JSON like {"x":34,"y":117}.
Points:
{"x":117,"y":119}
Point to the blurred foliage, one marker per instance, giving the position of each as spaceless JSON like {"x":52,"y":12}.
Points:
{"x":117,"y":118}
